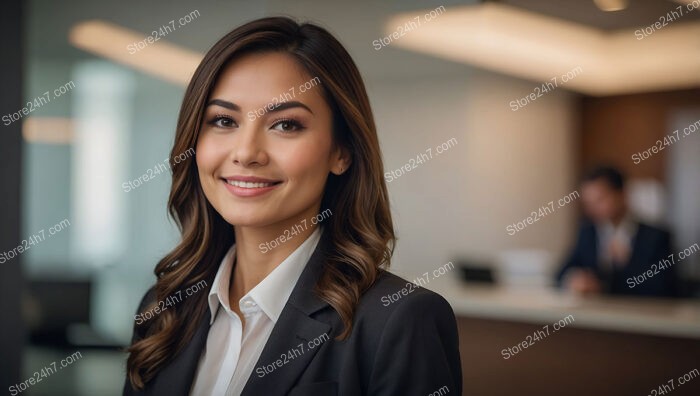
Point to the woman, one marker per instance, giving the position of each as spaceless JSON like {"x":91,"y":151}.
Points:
{"x":285,"y":218}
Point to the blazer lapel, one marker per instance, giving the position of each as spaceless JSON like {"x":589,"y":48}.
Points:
{"x":287,"y":353}
{"x":176,"y":378}
{"x":641,"y":246}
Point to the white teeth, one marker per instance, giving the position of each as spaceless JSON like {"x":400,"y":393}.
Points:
{"x":248,"y":184}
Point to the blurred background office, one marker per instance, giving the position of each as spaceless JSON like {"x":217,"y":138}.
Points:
{"x":489,"y":115}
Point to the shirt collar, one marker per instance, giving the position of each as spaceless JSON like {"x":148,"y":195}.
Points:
{"x":627,"y":227}
{"x":272,"y":293}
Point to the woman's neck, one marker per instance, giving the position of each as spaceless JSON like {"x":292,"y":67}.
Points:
{"x":259,"y":250}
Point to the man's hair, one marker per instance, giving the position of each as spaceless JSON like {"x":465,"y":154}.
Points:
{"x":613,"y":177}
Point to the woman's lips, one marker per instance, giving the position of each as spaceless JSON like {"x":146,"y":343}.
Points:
{"x":246,"y":186}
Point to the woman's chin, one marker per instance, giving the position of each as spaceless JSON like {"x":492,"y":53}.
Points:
{"x":248,"y":221}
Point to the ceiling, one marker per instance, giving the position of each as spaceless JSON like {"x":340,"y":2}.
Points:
{"x":356,"y":24}
{"x":530,"y":45}
{"x":638,"y":12}
{"x":360,"y":22}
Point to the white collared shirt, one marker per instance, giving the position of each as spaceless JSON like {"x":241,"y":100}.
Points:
{"x":232,"y":350}
{"x":624,"y":233}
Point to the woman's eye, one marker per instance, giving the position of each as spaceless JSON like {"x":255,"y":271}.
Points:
{"x":222,"y":122}
{"x":287,"y":126}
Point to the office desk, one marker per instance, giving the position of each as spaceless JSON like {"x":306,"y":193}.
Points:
{"x":607,"y":346}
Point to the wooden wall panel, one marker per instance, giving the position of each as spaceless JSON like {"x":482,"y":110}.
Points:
{"x":613,"y":128}
{"x":571,"y":362}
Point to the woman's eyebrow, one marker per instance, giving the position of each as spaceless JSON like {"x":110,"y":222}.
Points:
{"x":224,"y":103}
{"x":270,"y":108}
{"x":287,"y":105}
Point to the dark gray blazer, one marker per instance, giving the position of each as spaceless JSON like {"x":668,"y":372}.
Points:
{"x":650,"y":246}
{"x":402,"y":345}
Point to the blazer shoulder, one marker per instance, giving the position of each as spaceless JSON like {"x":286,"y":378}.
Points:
{"x":586,"y":227}
{"x":651,"y":230}
{"x":403,"y":319}
{"x":148,"y":298}
{"x":391,"y":293}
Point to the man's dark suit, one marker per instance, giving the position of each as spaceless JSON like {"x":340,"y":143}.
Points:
{"x":649,"y":246}
{"x":406,"y":347}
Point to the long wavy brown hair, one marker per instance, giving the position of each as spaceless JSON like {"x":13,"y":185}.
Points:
{"x":360,"y":232}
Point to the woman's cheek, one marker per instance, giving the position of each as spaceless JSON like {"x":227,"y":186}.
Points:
{"x":305,"y":158}
{"x":308,"y":171}
{"x":209,"y":153}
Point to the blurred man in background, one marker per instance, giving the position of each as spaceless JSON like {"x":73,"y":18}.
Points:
{"x":613,"y":248}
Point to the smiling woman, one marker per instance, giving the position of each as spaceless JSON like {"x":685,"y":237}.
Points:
{"x":249,"y":182}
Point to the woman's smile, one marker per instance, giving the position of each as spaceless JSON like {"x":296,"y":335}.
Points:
{"x":249,"y":186}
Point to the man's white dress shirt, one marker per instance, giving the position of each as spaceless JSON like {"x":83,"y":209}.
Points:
{"x":233,"y":350}
{"x":623,"y":235}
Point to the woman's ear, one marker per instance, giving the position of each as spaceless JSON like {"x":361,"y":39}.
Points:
{"x":341,"y":161}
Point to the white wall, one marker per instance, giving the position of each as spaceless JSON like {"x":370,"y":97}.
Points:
{"x":683,"y":174}
{"x":506,"y":164}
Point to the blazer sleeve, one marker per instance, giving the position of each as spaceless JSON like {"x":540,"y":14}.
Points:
{"x":671,"y":277}
{"x":665,"y":283}
{"x":145,"y":300}
{"x":418,"y":352}
{"x":575,"y":258}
